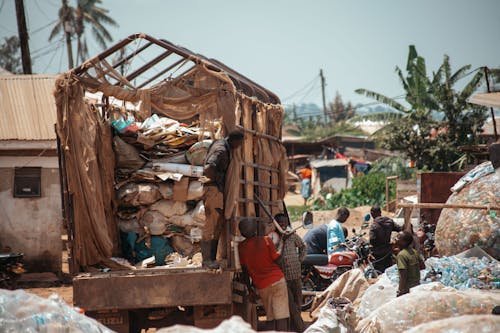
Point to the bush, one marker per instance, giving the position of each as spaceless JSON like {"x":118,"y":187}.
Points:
{"x":393,"y":166}
{"x":366,"y":190}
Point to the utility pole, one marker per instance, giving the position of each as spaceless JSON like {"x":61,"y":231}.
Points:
{"x":67,"y":25}
{"x":323,"y":94}
{"x":23,"y":37}
{"x":494,"y":123}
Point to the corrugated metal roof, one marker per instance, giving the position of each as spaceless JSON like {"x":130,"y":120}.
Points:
{"x":486,"y":99}
{"x":27,"y":107}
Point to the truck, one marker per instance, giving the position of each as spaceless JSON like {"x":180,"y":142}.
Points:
{"x":143,"y":76}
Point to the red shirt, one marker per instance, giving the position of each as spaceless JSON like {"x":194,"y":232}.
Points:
{"x":257,"y":254}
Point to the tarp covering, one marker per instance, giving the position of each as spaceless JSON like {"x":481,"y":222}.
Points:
{"x":86,"y":141}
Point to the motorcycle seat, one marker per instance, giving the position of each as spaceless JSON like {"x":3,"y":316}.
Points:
{"x":316,"y":259}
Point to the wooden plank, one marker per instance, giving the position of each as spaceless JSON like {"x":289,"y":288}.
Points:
{"x":263,"y":167}
{"x":260,"y":184}
{"x":445,"y":205}
{"x":248,"y":156}
{"x":155,"y":289}
{"x":435,"y":187}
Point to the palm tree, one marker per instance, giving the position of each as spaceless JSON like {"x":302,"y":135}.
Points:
{"x":411,"y":126}
{"x":416,"y":85}
{"x":88,"y":12}
{"x":73,"y":21}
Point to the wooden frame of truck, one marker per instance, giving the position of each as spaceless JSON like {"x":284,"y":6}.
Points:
{"x":128,"y":300}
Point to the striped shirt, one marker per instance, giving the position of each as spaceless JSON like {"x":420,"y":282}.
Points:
{"x":294,"y":251}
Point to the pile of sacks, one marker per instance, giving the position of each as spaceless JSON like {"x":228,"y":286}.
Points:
{"x":458,"y":292}
{"x":24,"y":312}
{"x":158,"y":165}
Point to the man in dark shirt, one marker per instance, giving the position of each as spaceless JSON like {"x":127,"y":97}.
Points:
{"x":215,"y":167}
{"x":315,"y":240}
{"x":380,"y":238}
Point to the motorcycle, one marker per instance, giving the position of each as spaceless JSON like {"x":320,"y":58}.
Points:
{"x":11,"y":268}
{"x":319,"y":271}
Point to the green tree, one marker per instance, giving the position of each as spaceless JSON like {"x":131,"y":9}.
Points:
{"x":87,"y":13}
{"x":338,"y":111}
{"x":432,"y":143}
{"x":10,"y":56}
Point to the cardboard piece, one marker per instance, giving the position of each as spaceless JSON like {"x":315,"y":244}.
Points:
{"x":181,"y":189}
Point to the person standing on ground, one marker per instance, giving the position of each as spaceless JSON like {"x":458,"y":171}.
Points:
{"x":305,"y":185}
{"x":335,"y":234}
{"x":409,"y":262}
{"x":380,"y":239}
{"x":214,"y":171}
{"x":294,"y":252}
{"x":258,"y":258}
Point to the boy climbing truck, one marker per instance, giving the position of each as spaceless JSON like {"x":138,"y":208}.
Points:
{"x":132,"y":140}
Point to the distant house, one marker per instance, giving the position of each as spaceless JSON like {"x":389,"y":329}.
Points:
{"x":298,"y":148}
{"x":30,"y":201}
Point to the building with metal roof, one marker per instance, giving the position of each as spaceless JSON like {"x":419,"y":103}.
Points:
{"x":30,"y":199}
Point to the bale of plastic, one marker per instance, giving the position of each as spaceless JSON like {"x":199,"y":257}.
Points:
{"x":196,"y":154}
{"x":184,"y":220}
{"x":152,"y":217}
{"x":167,"y":190}
{"x":377,"y":295}
{"x":327,"y":322}
{"x":198,"y":212}
{"x":233,"y":324}
{"x":184,"y":169}
{"x":133,"y":194}
{"x":195,"y":190}
{"x":127,"y":157}
{"x":460,"y":229}
{"x":25,"y":312}
{"x":126,"y":226}
{"x":183,"y":245}
{"x":418,"y":307}
{"x":462,"y":324}
{"x":170,"y":208}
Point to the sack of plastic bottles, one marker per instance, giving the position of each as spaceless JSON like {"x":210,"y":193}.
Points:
{"x":422,"y":306}
{"x":462,"y":324}
{"x":458,"y":230}
{"x":459,"y":272}
{"x":24,"y":312}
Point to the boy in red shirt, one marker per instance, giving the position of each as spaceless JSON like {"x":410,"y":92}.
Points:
{"x":258,"y":256}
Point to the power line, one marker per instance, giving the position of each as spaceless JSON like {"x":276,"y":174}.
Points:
{"x":41,"y":10}
{"x":43,"y":27}
{"x":302,"y":89}
{"x":53,"y":56}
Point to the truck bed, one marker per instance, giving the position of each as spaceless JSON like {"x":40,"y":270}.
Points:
{"x":148,"y":288}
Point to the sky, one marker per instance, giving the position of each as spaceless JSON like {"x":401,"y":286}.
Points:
{"x":283,"y":44}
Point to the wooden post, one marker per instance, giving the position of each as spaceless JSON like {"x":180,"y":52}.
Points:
{"x":23,"y":37}
{"x":248,"y":156}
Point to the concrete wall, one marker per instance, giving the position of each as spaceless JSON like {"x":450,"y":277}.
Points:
{"x":32,"y":225}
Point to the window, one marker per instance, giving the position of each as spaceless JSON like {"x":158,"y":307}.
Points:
{"x":27,"y":182}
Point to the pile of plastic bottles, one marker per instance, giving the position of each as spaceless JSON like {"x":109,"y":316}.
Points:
{"x":24,"y":312}
{"x":459,"y":273}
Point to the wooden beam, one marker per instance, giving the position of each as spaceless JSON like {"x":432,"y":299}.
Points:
{"x":445,"y":205}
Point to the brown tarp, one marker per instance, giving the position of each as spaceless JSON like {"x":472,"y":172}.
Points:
{"x":86,"y":141}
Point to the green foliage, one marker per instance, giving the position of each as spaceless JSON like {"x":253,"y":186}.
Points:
{"x":295,"y":212}
{"x":87,"y":13}
{"x":412,"y":133}
{"x":393,"y":166}
{"x":10,"y":55}
{"x":366,"y":190}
